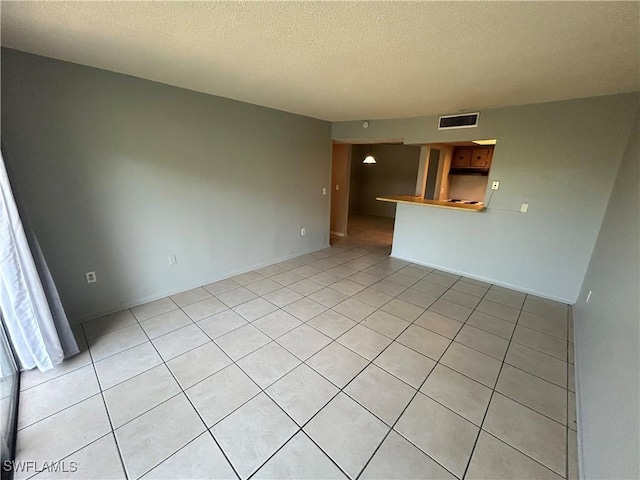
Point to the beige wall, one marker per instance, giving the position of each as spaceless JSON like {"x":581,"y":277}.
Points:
{"x":340,"y":172}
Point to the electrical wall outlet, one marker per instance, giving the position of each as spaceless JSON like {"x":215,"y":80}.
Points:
{"x":173,"y":260}
{"x":337,"y":187}
{"x":524,"y":208}
{"x":324,"y":191}
{"x":91,"y":277}
{"x":495,"y":185}
{"x":302,"y":231}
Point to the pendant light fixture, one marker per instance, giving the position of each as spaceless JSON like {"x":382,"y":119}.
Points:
{"x":369,"y":159}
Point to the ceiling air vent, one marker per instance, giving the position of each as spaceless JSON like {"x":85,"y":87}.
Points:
{"x":464,"y":120}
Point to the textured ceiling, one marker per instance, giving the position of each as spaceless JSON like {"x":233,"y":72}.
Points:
{"x":348,"y":60}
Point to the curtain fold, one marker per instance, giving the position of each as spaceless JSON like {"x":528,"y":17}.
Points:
{"x":36,"y":323}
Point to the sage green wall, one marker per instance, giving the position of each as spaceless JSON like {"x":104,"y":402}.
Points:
{"x":607,"y":334}
{"x":561,"y":158}
{"x":118,"y":173}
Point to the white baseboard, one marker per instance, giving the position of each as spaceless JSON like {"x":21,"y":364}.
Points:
{"x":151,"y":298}
{"x":488,"y":280}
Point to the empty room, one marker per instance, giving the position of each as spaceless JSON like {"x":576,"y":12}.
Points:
{"x":320,"y":240}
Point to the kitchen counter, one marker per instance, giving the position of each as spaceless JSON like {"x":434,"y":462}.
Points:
{"x":431,"y":203}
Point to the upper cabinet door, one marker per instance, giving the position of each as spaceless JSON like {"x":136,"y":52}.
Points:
{"x":480,"y":158}
{"x":462,"y":158}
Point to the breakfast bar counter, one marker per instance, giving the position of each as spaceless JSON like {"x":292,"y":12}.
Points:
{"x":414,"y":200}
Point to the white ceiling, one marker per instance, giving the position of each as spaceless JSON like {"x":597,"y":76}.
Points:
{"x":348,"y":60}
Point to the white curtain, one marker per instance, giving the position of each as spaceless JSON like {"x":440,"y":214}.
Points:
{"x":38,"y":339}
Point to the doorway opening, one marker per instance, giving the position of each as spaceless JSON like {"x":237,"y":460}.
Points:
{"x":356,"y":184}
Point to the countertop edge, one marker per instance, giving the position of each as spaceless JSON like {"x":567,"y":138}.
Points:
{"x":408,"y":199}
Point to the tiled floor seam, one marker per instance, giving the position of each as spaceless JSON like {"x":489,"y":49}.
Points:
{"x":400,"y":416}
{"x":300,"y":431}
{"x":493,"y":391}
{"x":537,"y":376}
{"x":207,"y":431}
{"x":492,"y":388}
{"x":340,"y":390}
{"x":182,"y":392}
{"x":371,"y":362}
{"x":275,"y":340}
{"x":113,"y":354}
{"x":504,"y":356}
{"x":104,"y":403}
{"x":520,"y":451}
{"x":533,"y":348}
{"x":300,"y":427}
{"x":55,"y":378}
{"x":77,"y":450}
{"x":334,"y":340}
{"x":24,"y":427}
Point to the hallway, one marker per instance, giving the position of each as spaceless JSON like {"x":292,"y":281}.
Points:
{"x":367,"y":230}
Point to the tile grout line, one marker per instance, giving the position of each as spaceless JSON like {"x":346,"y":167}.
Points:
{"x":261,"y":296}
{"x":486,"y":412}
{"x":272,"y":340}
{"x":101,"y":390}
{"x":104,"y":404}
{"x":371,"y":362}
{"x":404,"y":410}
{"x":183,"y":392}
{"x":491,"y":396}
{"x":488,"y":405}
{"x":263,"y":390}
{"x":340,"y":390}
{"x":436,"y":401}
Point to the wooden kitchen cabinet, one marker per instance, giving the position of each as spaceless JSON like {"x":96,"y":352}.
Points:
{"x":472,"y":158}
{"x":480,"y":158}
{"x":462,"y":158}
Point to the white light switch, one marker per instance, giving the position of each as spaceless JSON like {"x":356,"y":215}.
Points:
{"x":524,"y":208}
{"x":173,"y":260}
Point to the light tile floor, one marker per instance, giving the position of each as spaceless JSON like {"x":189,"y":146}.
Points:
{"x":341,"y":363}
